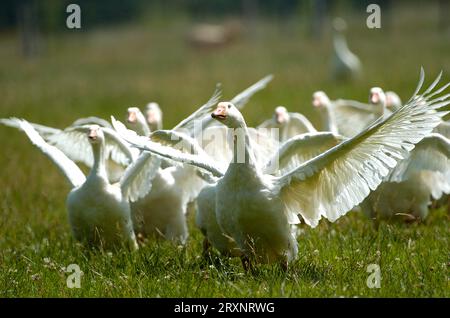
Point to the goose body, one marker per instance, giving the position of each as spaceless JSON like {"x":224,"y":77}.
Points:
{"x":162,"y":211}
{"x":346,"y":65}
{"x":99,"y":214}
{"x":206,"y":221}
{"x":250,"y":214}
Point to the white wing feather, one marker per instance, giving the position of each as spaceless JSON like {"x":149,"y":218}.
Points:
{"x":137,"y":180}
{"x":301,"y":148}
{"x":73,"y":142}
{"x":69,"y":169}
{"x":204,"y":112}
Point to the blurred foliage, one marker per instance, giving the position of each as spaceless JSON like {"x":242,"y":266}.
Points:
{"x":52,"y":13}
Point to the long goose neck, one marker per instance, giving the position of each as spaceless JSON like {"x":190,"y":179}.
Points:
{"x":328,"y":121}
{"x":99,"y":167}
{"x":242,"y":147}
{"x":156,"y":126}
{"x":143,"y":127}
{"x":340,"y":43}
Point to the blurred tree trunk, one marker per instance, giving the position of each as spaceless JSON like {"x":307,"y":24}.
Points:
{"x":319,"y":11}
{"x":444,"y":17}
{"x":27,"y":17}
{"x":250,"y":13}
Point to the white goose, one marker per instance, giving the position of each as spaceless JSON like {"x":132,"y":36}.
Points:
{"x":345,"y":64}
{"x":288,"y":124}
{"x":423,"y":175}
{"x":162,"y":210}
{"x":137,"y":122}
{"x":347,"y":117}
{"x":154,"y":116}
{"x":75,"y":146}
{"x":99,"y":213}
{"x":393,"y":101}
{"x":256,"y":208}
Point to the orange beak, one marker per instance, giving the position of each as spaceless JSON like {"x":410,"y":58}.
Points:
{"x":316,"y":102}
{"x":151,"y":118}
{"x":279,"y":118}
{"x":374,"y":98}
{"x":92,"y":134}
{"x":131,"y":117}
{"x":220,"y":113}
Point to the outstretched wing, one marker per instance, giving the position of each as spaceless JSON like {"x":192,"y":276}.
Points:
{"x":299,"y":124}
{"x":205,"y":109}
{"x":204,"y":112}
{"x":73,"y":142}
{"x":431,"y":159}
{"x":352,"y":119}
{"x":165,"y":149}
{"x":203,"y":162}
{"x":242,"y":98}
{"x":299,"y":149}
{"x":69,"y":169}
{"x":92,"y":120}
{"x":42,"y":130}
{"x":137,"y":180}
{"x":334,"y":182}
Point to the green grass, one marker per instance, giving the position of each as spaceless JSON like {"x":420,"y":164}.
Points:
{"x":101,"y":72}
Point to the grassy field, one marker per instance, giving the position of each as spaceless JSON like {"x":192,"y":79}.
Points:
{"x":101,"y":72}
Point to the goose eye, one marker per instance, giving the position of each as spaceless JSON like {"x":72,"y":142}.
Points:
{"x":229,"y":106}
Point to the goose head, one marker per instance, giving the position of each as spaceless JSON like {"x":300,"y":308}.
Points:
{"x":339,"y":25}
{"x":281,"y":115}
{"x":95,"y":135}
{"x":153,"y":115}
{"x":377,"y":97}
{"x":320,"y":100}
{"x":229,"y":115}
{"x":136,"y":121}
{"x":135,"y":116}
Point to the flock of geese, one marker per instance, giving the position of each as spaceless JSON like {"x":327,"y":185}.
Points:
{"x":252,"y":185}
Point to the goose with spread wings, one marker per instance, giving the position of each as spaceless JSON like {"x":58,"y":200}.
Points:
{"x":76,"y":147}
{"x":408,"y":189}
{"x":162,"y":209}
{"x":256,"y":208}
{"x":99,"y":212}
